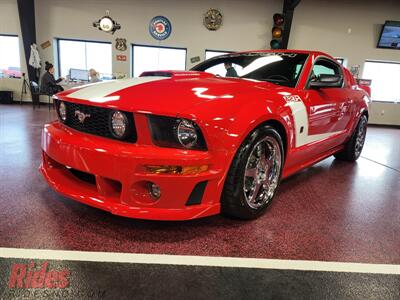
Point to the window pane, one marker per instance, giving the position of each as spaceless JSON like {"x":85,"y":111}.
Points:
{"x":211,"y":54}
{"x":219,"y":69}
{"x":385,"y":78}
{"x":341,"y":61}
{"x":72,"y":56}
{"x":279,"y":68}
{"x":99,"y":57}
{"x":318,"y":70}
{"x":154,"y":58}
{"x":84,"y":56}
{"x":10,"y":63}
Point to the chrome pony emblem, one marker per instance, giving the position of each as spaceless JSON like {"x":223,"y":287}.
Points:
{"x":81,"y":116}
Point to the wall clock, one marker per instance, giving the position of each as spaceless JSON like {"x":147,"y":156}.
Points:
{"x":107,"y":24}
{"x":213,"y":19}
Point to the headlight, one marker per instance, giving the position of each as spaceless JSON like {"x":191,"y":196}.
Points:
{"x":62,"y":111}
{"x":186,"y":133}
{"x":119,"y":124}
{"x":176,"y":133}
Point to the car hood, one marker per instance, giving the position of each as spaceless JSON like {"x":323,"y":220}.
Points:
{"x":169,"y":94}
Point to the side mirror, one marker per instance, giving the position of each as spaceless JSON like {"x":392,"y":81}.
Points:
{"x":326,"y":81}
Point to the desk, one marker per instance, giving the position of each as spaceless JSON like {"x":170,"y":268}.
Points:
{"x":65,"y":85}
{"x":14,"y":85}
{"x":70,"y":85}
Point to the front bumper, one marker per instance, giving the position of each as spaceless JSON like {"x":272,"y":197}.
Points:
{"x":115,"y":179}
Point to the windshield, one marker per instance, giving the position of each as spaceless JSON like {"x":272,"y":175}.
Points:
{"x":276,"y":67}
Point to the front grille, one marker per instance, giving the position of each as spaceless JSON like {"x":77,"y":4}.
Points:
{"x":99,"y":121}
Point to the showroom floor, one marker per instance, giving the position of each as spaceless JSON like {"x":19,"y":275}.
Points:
{"x":334,"y":211}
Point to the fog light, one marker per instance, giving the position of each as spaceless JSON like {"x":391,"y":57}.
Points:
{"x":155,"y":191}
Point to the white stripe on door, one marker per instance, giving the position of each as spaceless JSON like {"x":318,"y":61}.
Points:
{"x":300,"y":117}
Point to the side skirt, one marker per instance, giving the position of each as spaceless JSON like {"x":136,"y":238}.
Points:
{"x":293,"y":170}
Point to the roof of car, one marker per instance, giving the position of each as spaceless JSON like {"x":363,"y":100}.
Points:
{"x":288,"y":51}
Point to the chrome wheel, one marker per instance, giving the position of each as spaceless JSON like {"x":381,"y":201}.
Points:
{"x":360,"y":138}
{"x":262,"y":172}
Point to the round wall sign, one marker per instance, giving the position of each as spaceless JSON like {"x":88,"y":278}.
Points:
{"x":160,"y":28}
{"x":213,"y":19}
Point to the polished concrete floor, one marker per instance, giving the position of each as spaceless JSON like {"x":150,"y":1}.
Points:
{"x":332,"y":211}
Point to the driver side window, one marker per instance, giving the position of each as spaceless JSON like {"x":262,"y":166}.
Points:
{"x":325,"y":67}
{"x":328,"y":72}
{"x":319,"y":69}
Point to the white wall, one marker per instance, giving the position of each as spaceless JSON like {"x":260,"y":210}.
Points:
{"x":348,"y":29}
{"x":9,"y":24}
{"x":247,"y":24}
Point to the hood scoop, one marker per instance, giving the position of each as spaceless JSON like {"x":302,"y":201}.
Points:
{"x":177,"y":74}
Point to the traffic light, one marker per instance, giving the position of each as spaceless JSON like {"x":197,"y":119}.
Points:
{"x":277,"y":31}
{"x":278,"y":19}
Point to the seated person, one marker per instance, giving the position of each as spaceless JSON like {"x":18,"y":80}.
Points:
{"x":48,"y":84}
{"x":230,"y":70}
{"x":94,"y":76}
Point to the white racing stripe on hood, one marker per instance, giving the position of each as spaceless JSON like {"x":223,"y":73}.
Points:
{"x":103,"y":89}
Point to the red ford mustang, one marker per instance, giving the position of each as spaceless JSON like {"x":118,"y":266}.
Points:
{"x":176,"y":145}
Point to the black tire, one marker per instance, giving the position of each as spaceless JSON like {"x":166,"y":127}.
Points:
{"x":353,"y":147}
{"x":234,"y":202}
